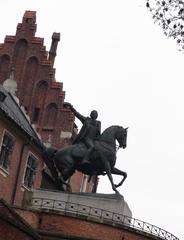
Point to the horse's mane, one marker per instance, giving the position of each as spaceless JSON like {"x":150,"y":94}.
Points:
{"x":113,"y":126}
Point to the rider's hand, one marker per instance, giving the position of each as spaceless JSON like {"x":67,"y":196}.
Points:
{"x":67,"y":104}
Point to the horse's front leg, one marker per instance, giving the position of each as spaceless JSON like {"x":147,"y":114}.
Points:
{"x":108,"y":171}
{"x":65,"y":174}
{"x":119,"y":172}
{"x":60,"y":181}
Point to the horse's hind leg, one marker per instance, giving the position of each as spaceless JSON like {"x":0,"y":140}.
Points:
{"x":48,"y":156}
{"x":65,"y":174}
{"x":62,"y":182}
{"x":119,"y":172}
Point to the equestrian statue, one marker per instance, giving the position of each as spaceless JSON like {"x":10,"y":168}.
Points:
{"x":92,"y":152}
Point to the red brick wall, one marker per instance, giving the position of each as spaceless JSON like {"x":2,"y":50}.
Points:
{"x":8,"y":180}
{"x":10,"y":232}
{"x":76,"y":180}
{"x":32,"y":218}
{"x":71,"y":226}
{"x":35,"y":75}
{"x":81,"y":228}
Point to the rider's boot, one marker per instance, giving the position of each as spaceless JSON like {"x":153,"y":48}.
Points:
{"x":85,"y":160}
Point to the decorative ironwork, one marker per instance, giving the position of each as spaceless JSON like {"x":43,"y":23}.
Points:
{"x":108,"y":216}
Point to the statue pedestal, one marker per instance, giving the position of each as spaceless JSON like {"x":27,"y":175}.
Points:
{"x":110,"y":207}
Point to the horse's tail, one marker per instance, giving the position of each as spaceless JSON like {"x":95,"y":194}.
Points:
{"x":48,"y":157}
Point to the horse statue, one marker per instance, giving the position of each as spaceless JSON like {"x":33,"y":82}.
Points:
{"x":62,"y":163}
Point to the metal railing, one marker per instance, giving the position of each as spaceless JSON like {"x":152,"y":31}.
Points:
{"x":100,"y":214}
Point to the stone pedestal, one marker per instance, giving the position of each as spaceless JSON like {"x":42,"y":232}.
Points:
{"x":110,"y":207}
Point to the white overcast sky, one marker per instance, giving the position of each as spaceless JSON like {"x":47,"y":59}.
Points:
{"x":114,"y":59}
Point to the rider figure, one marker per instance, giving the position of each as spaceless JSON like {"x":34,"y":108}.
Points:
{"x":90,"y":130}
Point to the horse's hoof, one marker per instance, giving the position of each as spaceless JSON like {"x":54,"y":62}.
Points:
{"x":116,"y":191}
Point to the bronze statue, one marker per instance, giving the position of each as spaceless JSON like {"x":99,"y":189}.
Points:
{"x":101,"y":160}
{"x":89,"y":132}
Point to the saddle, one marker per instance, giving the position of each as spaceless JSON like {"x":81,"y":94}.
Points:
{"x":79,"y":150}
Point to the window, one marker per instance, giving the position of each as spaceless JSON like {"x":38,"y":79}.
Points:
{"x":6,"y":150}
{"x":50,"y":115}
{"x":30,"y":171}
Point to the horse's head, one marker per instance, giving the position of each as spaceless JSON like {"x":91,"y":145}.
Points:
{"x":121,"y":137}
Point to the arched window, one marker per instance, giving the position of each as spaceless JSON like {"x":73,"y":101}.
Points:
{"x":19,"y":57}
{"x":50,"y":115}
{"x":28,"y":80}
{"x":20,"y":50}
{"x":39,"y":99}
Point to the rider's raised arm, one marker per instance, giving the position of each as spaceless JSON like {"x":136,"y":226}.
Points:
{"x":77,"y":114}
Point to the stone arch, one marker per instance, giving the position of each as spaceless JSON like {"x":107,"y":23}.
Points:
{"x":39,"y":99}
{"x":30,"y":74}
{"x":4,"y":67}
{"x":50,"y":115}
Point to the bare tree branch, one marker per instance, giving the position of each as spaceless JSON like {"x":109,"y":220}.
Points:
{"x":169,"y":14}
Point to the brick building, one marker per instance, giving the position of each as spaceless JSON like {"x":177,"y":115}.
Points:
{"x":38,"y":91}
{"x":20,"y":156}
{"x":26,"y":66}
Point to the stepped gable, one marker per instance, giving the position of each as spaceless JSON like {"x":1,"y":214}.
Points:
{"x":27,"y":54}
{"x":37,"y":89}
